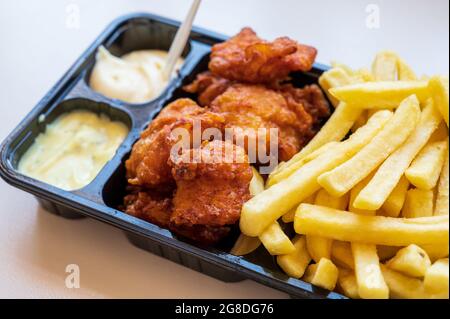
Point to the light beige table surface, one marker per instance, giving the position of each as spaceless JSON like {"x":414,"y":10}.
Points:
{"x":40,"y":39}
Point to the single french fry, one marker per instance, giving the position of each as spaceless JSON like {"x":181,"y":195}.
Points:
{"x":425,"y":169}
{"x":394,"y":203}
{"x":293,"y":166}
{"x":354,"y":192}
{"x":401,"y":286}
{"x":289,"y":216}
{"x":387,"y":252}
{"x":323,"y":274}
{"x":441,"y":132}
{"x":442,"y":201}
{"x":245,"y":245}
{"x":378,"y":230}
{"x":384,"y":67}
{"x":404,"y":71}
{"x":360,"y":121}
{"x":381,"y":94}
{"x":266,"y":207}
{"x":370,"y":281}
{"x":438,"y":86}
{"x":335,"y":129}
{"x":390,"y":172}
{"x":412,"y":261}
{"x":275,"y":240}
{"x":295,"y":263}
{"x":436,"y":280}
{"x":320,"y":247}
{"x":335,"y":77}
{"x":341,"y":254}
{"x":347,"y":283}
{"x":257,"y":183}
{"x":436,"y":252}
{"x":418,"y":203}
{"x":345,"y":176}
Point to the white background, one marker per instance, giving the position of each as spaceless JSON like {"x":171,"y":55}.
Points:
{"x":37,"y":47}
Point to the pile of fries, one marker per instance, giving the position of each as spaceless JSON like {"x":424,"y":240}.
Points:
{"x":369,"y":195}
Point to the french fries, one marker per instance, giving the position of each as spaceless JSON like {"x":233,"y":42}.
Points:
{"x":266,"y":207}
{"x":377,"y":230}
{"x":291,"y":167}
{"x":390,"y":172}
{"x":381,"y":94}
{"x":324,"y":274}
{"x":335,"y":129}
{"x":370,"y":281}
{"x":442,"y":200}
{"x":394,"y":203}
{"x":354,"y":192}
{"x":245,"y":245}
{"x":401,"y":286}
{"x":341,"y":254}
{"x":425,"y":169}
{"x":438,"y":85}
{"x":347,"y":283}
{"x":381,"y":155}
{"x":384,"y":67}
{"x":412,"y":261}
{"x":418,"y":203}
{"x":436,"y":279}
{"x":295,"y":263}
{"x":276,"y":241}
{"x":257,"y":183}
{"x":289,"y":216}
{"x":342,"y":178}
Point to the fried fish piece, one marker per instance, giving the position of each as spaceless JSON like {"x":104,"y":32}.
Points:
{"x":152,"y":206}
{"x":207,"y":86}
{"x":212,"y":186}
{"x":147,"y":165}
{"x":247,"y":58}
{"x":246,"y":108}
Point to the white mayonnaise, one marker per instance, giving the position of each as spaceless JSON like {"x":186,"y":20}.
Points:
{"x":136,"y":77}
{"x":73,"y":149}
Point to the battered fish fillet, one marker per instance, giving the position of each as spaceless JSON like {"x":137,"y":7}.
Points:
{"x":249,"y":107}
{"x":311,"y":97}
{"x":147,"y":165}
{"x":210,"y":190}
{"x":207,"y":86}
{"x":148,"y":205}
{"x":247,"y":58}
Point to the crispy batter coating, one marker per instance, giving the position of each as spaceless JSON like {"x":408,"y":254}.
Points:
{"x":207,"y":86}
{"x":247,"y":58}
{"x":312,"y":99}
{"x":147,"y":165}
{"x":151,"y":206}
{"x":212,"y":185}
{"x":250,"y":107}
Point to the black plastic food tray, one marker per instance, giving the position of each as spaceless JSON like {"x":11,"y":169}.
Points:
{"x":101,"y":197}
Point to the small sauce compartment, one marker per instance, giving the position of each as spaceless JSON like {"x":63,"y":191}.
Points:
{"x":71,"y":126}
{"x":137,"y":35}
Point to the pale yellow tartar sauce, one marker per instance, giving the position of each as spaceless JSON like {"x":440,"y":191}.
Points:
{"x":136,"y":77}
{"x":73,"y":149}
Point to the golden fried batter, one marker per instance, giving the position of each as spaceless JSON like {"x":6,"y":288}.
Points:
{"x":247,"y":58}
{"x":211,"y":189}
{"x":151,"y":206}
{"x":207,"y":86}
{"x":250,"y":107}
{"x":147,"y":165}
